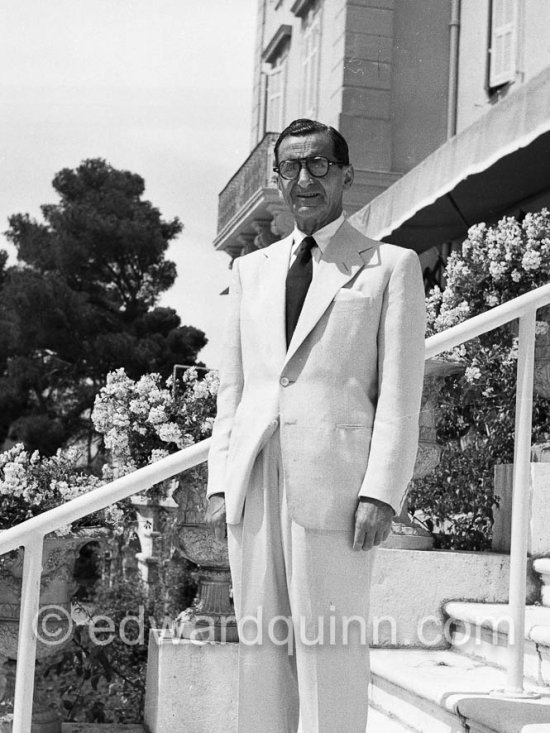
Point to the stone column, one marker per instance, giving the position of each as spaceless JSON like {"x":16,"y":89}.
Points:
{"x":154,"y":518}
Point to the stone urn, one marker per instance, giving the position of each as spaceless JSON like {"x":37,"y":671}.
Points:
{"x":54,"y":624}
{"x":211,"y":617}
{"x":409,"y":534}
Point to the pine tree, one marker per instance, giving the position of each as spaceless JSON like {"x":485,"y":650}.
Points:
{"x":81,"y":301}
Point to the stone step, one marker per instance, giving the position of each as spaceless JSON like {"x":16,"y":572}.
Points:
{"x":102,"y":728}
{"x":379,"y":722}
{"x":482,"y":630}
{"x":382,"y":721}
{"x":401,"y":618}
{"x":445,"y":692}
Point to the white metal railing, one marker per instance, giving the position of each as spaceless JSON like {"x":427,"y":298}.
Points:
{"x":525,"y":308}
{"x":30,"y":534}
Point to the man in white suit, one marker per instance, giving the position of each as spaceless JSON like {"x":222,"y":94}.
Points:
{"x":314,"y":442}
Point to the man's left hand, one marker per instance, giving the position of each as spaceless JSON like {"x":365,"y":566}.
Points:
{"x":372,"y":523}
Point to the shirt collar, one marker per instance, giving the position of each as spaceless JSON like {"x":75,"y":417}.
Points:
{"x":322,"y":236}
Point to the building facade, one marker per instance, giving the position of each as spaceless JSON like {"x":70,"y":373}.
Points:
{"x":443,"y":103}
{"x":493,"y":162}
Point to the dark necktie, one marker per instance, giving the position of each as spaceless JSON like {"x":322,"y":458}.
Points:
{"x":298,"y":280}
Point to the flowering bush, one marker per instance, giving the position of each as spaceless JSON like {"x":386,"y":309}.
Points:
{"x":476,"y":424}
{"x":495,"y":264}
{"x":145,"y":420}
{"x":31,"y":484}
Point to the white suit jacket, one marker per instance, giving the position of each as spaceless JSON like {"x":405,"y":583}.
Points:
{"x":346,"y":394}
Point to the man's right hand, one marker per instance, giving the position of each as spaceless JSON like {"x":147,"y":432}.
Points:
{"x":215,"y":515}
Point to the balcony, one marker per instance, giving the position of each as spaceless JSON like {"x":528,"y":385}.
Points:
{"x":250,"y":211}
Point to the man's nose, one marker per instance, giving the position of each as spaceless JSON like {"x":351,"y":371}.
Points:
{"x":304,"y":177}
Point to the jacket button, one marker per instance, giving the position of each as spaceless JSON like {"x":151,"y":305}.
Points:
{"x":285,"y":381}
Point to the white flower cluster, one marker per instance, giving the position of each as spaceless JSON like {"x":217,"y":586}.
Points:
{"x":14,"y":477}
{"x":495,"y":264}
{"x":472,"y":374}
{"x":141,"y":419}
{"x":38,"y":484}
{"x":208,"y":386}
{"x":443,"y":312}
{"x":531,"y":260}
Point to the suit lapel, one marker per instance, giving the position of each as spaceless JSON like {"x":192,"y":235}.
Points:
{"x":341,"y":262}
{"x":273,"y":295}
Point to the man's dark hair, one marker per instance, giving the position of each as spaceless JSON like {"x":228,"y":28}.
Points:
{"x":304,"y":127}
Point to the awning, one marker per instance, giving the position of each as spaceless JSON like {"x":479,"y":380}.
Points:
{"x":497,"y":164}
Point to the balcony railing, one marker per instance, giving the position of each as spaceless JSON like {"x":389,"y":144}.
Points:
{"x":30,"y":534}
{"x":255,"y":174}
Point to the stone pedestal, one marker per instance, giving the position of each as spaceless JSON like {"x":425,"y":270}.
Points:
{"x":154,"y":518}
{"x":539,"y":522}
{"x":191,"y":686}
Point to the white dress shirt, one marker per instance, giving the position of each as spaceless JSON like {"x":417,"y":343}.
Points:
{"x":322,"y":238}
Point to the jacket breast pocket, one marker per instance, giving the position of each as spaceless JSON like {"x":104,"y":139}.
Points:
{"x":350,"y":300}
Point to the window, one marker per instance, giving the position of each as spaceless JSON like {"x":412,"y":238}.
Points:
{"x":311,"y":57}
{"x":502,"y":54}
{"x":275,"y":95}
{"x":274,"y":56}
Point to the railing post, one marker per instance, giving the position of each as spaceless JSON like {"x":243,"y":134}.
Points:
{"x":521,"y":504}
{"x":26,"y":649}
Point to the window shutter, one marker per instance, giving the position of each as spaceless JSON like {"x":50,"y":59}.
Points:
{"x":310,"y":64}
{"x":502,"y":67}
{"x":276,"y":87}
{"x":275,"y":57}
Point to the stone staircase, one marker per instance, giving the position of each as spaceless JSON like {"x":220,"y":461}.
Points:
{"x":190,"y":688}
{"x":449,"y":690}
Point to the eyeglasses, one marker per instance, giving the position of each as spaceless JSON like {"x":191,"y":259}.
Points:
{"x":318,"y":167}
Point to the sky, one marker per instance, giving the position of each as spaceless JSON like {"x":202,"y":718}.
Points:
{"x":159,"y":87}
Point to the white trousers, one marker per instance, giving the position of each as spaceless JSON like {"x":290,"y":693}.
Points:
{"x":301,"y":599}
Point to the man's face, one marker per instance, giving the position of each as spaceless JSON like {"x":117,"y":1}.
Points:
{"x":314,"y":202}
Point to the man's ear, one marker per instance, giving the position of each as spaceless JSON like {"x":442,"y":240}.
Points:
{"x":349,"y":175}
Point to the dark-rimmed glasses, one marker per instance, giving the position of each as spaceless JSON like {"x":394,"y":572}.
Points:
{"x":318,"y":167}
